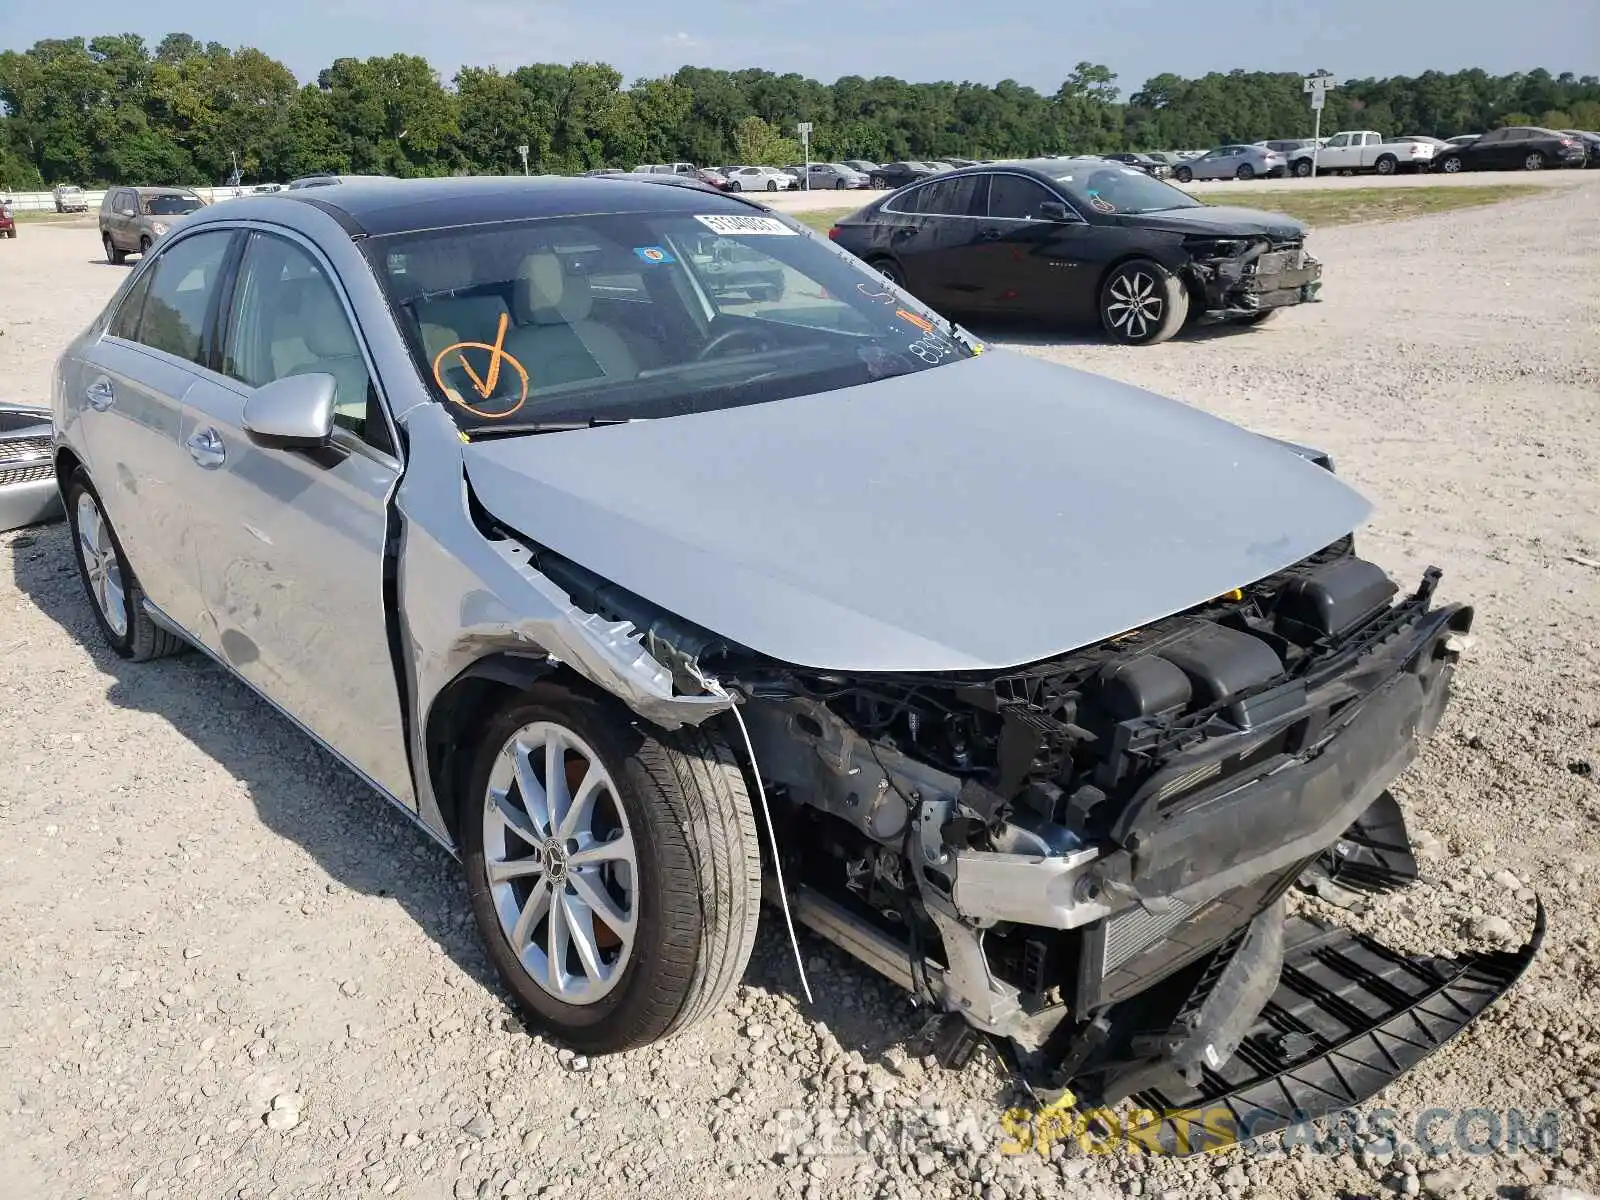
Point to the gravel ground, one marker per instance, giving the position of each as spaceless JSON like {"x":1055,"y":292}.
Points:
{"x":1219,"y":189}
{"x":232,"y":972}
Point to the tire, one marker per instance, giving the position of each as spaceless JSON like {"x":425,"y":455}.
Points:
{"x":123,"y":622}
{"x":676,"y":802}
{"x":1386,"y":164}
{"x":144,"y":246}
{"x":1452,"y":165}
{"x":1245,"y":172}
{"x":1142,"y":303}
{"x":772,"y":185}
{"x":113,"y":256}
{"x":735,"y":186}
{"x":1183,"y":175}
{"x":889,"y":269}
{"x":1534,"y":162}
{"x":1302,"y":168}
{"x":838,"y":185}
{"x":880,"y":183}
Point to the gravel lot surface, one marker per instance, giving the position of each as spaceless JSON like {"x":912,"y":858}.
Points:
{"x":1218,"y":189}
{"x":230,"y":971}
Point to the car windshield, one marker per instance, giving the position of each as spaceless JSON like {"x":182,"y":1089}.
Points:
{"x":1115,"y":189}
{"x":171,"y":206}
{"x":644,"y":315}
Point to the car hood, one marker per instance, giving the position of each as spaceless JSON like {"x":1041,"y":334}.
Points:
{"x":981,"y":515}
{"x":1218,"y":219}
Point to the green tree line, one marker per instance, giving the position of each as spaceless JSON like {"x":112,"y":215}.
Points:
{"x":112,"y":109}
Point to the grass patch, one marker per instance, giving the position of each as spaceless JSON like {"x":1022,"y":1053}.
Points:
{"x":51,"y":217}
{"x":822,"y":219}
{"x":1348,"y":206}
{"x":1320,"y":208}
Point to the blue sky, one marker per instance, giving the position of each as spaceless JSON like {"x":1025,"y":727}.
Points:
{"x":1034,"y":41}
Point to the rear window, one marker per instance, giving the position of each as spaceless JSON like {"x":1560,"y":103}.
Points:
{"x":172,"y":205}
{"x":644,"y":316}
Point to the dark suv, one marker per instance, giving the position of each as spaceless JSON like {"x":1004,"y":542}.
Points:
{"x":1516,"y":147}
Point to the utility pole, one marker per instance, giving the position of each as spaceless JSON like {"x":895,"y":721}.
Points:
{"x":523,"y":150}
{"x":804,"y":129}
{"x":1317,"y":87}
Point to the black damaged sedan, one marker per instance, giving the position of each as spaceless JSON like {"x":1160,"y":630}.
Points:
{"x":1080,"y":241}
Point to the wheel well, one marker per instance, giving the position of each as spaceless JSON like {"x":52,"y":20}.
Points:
{"x":66,"y":463}
{"x":1113,"y":266}
{"x":468,"y":703}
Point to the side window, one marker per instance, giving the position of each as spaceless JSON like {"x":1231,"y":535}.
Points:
{"x":287,"y":319}
{"x":949,"y":197}
{"x":126,"y":322}
{"x":1337,"y":140}
{"x":1495,"y":135}
{"x":184,"y":279}
{"x":1013,"y":198}
{"x":1517,"y":133}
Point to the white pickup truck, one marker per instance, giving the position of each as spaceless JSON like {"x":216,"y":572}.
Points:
{"x":1363,"y":150}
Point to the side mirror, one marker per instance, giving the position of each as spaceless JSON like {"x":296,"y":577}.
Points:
{"x":292,"y":413}
{"x":1054,"y":210}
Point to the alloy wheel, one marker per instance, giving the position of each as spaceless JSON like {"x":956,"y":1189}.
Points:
{"x":102,"y":568}
{"x":1534,"y":162}
{"x":1452,"y":166}
{"x":1135,"y":305}
{"x":562,"y":865}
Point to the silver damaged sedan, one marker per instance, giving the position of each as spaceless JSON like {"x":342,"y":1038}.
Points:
{"x":645,"y":593}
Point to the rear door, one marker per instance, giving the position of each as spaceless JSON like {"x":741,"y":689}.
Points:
{"x":291,"y":542}
{"x":936,"y":241}
{"x":1489,"y":151}
{"x":133,"y":382}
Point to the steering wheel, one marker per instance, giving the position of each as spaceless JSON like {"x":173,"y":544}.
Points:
{"x":729,"y":335}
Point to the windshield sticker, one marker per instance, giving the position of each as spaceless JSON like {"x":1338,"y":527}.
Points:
{"x":881,"y":293}
{"x":912,"y":318}
{"x":654,"y":255}
{"x":485,"y":387}
{"x":932,"y":349}
{"x":746,"y":226}
{"x":1099,"y":204}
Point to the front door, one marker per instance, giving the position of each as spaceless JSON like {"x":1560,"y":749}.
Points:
{"x":132,"y":384}
{"x":1031,"y":264}
{"x":290,"y":542}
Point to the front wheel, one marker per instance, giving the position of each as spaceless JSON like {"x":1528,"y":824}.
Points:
{"x":1142,"y":303}
{"x":772,"y":185}
{"x":1386,"y":164}
{"x":1302,"y":169}
{"x":144,"y":246}
{"x":114,"y":591}
{"x":1183,"y":175}
{"x":1534,"y":162}
{"x":113,"y":255}
{"x":880,"y":183}
{"x":1245,"y":171}
{"x":613,"y":869}
{"x":1451,"y":165}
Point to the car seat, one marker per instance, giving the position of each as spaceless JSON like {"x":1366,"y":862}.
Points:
{"x":554,"y":338}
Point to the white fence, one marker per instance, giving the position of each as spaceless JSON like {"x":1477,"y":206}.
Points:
{"x":46,"y":201}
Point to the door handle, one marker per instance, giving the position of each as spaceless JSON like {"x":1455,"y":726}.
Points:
{"x":206,"y":448}
{"x":100,"y":394}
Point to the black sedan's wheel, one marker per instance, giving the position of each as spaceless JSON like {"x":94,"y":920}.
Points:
{"x":1142,"y":303}
{"x":1452,"y":165}
{"x":1183,"y":175}
{"x":879,"y":182}
{"x":1245,"y":171}
{"x":114,"y":592}
{"x":1534,"y":162}
{"x":113,"y":255}
{"x":889,"y":269}
{"x":613,"y":870}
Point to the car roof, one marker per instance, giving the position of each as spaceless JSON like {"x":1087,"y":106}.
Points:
{"x":162,"y":190}
{"x":385,"y":206}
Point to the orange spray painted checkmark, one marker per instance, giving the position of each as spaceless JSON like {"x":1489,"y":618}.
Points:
{"x":486,"y":387}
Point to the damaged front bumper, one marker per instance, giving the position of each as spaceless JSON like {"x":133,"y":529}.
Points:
{"x":1230,"y":288}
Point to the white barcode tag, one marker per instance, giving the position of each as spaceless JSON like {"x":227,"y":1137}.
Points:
{"x":736,"y":226}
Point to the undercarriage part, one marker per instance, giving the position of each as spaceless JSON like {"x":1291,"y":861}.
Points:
{"x":1348,"y":1017}
{"x":1374,"y":855}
